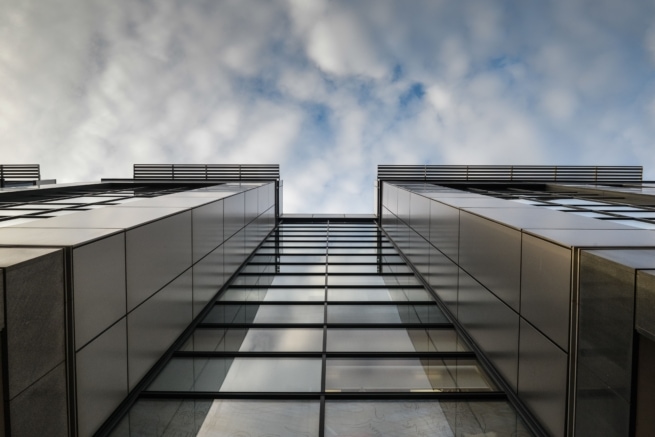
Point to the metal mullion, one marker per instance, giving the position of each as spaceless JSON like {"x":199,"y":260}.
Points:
{"x":321,"y":411}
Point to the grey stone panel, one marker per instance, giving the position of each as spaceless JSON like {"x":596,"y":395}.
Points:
{"x":420,"y":215}
{"x":443,"y":278}
{"x":35,"y":309}
{"x":492,"y":325}
{"x":491,"y":253}
{"x":543,"y":379}
{"x":234,"y":215}
{"x":156,"y":253}
{"x":391,"y":197}
{"x":153,"y":326}
{"x":234,"y":253}
{"x":98,"y":286}
{"x":419,"y":253}
{"x":404,"y":199}
{"x":605,"y":338}
{"x":251,"y":200}
{"x":207,"y":229}
{"x":208,"y":278}
{"x":644,"y":317}
{"x":546,"y":288}
{"x":41,"y":409}
{"x":101,"y":371}
{"x":444,"y":229}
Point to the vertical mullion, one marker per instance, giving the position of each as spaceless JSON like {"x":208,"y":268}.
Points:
{"x":321,"y":421}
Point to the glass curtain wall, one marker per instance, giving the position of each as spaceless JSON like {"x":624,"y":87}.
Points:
{"x":325,"y":332}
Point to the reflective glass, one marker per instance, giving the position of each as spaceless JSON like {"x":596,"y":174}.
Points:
{"x":352,"y":259}
{"x":386,"y":374}
{"x":232,"y":417}
{"x":240,"y":375}
{"x":385,"y":314}
{"x":318,"y":259}
{"x":394,"y":340}
{"x":274,"y":294}
{"x":265,"y":314}
{"x":336,"y":268}
{"x":305,"y":268}
{"x":374,"y":280}
{"x":422,"y":418}
{"x":256,"y":340}
{"x":379,"y":294}
{"x":298,"y":280}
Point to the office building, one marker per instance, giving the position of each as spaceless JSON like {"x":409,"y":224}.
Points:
{"x":477,"y":300}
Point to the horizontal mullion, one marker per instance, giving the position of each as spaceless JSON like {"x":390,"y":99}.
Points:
{"x":329,"y":395}
{"x":261,"y":354}
{"x":327,"y":325}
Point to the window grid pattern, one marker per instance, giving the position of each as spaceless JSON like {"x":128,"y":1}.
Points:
{"x":326,"y":319}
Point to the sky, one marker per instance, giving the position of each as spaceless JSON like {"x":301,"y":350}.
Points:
{"x":327,"y":89}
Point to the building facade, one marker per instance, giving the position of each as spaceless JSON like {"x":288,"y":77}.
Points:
{"x":507,"y":300}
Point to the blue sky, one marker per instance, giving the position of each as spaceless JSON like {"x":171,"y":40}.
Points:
{"x":327,"y":89}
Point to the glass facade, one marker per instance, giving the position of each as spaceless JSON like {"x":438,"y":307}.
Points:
{"x":325,"y":332}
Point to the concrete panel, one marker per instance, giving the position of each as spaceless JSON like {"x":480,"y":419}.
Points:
{"x":98,"y":286}
{"x":444,"y":229}
{"x":154,"y":326}
{"x":443,"y":278}
{"x":543,"y":379}
{"x":491,"y":253}
{"x":492,"y":325}
{"x":234,"y":214}
{"x":41,"y":409}
{"x":208,"y":278}
{"x":207,"y":229}
{"x":546,"y":288}
{"x":35,"y":324}
{"x":156,"y":253}
{"x":101,"y":370}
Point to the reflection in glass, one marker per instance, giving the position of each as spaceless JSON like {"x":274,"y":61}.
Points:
{"x":304,"y":268}
{"x":394,"y":340}
{"x":336,"y":268}
{"x":261,"y":418}
{"x":379,"y":294}
{"x":353,"y":259}
{"x":240,"y":374}
{"x":385,"y":374}
{"x":422,"y":418}
{"x":318,"y":259}
{"x":265,"y":314}
{"x":385,"y":314}
{"x":282,"y":280}
{"x":163,"y":417}
{"x":255,"y":340}
{"x":274,"y":294}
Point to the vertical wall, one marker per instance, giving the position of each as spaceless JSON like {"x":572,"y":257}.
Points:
{"x":32,"y":356}
{"x":136,"y":292}
{"x":474,"y":264}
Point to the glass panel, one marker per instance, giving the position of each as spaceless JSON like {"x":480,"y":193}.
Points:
{"x":394,"y":340}
{"x":265,"y":314}
{"x":299,"y":280}
{"x":274,"y":294}
{"x":422,"y":418}
{"x":352,"y":259}
{"x":261,"y":418}
{"x":306,"y":268}
{"x":425,"y":374}
{"x":240,"y":375}
{"x":318,"y":259}
{"x":371,"y":268}
{"x":379,"y":294}
{"x":163,"y":417}
{"x":377,"y":280}
{"x":635,"y":224}
{"x":256,"y":340}
{"x":385,"y":314}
